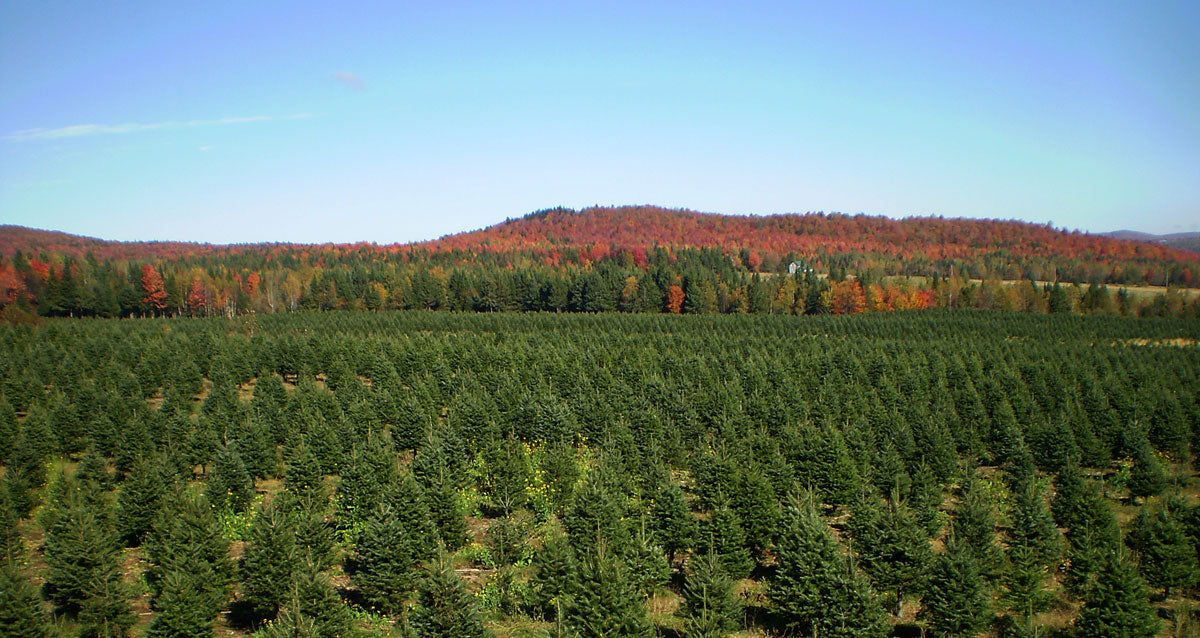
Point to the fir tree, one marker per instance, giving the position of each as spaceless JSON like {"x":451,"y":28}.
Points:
{"x":448,"y":518}
{"x":21,"y":611}
{"x":815,"y":590}
{"x":757,"y":509}
{"x":956,"y":599}
{"x":269,"y":561}
{"x":709,"y":608}
{"x":230,"y":486}
{"x":553,"y":578}
{"x":82,"y":552}
{"x":1147,"y":476}
{"x":974,"y":525}
{"x":315,"y":598}
{"x":10,"y":428}
{"x":604,"y":602}
{"x":444,"y":609}
{"x":94,"y":468}
{"x":671,"y":521}
{"x":191,"y":573}
{"x":891,"y":548}
{"x":1025,"y":591}
{"x":386,"y":561}
{"x":1166,"y":556}
{"x":1032,"y":525}
{"x":1118,"y":605}
{"x":722,"y":535}
{"x":360,"y":490}
{"x":139,"y":501}
{"x":647,"y":565}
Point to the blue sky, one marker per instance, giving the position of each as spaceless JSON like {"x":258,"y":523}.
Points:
{"x":401,"y":121}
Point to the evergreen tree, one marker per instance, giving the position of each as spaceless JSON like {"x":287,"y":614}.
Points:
{"x":360,"y":490}
{"x":722,"y":534}
{"x":448,"y":518}
{"x":974,"y":526}
{"x":891,"y":548}
{"x":1032,"y":525}
{"x":269,"y":561}
{"x":10,"y":428}
{"x":709,"y":608}
{"x":672,"y":522}
{"x":1147,"y":476}
{"x":815,"y":590}
{"x":604,"y":601}
{"x":1025,"y":590}
{"x":956,"y":599}
{"x":1118,"y":605}
{"x":553,"y":578}
{"x":191,"y":573}
{"x":647,"y":565}
{"x":83,"y":554}
{"x":139,"y":500}
{"x":386,"y":561}
{"x":229,"y":486}
{"x":21,"y":610}
{"x":757,"y":509}
{"x":444,"y":609}
{"x":1166,"y":556}
{"x":93,"y":467}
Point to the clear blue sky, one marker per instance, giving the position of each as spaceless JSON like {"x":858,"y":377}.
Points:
{"x":399,"y":121}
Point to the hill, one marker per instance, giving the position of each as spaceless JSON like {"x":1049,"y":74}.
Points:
{"x":634,"y":259}
{"x":1182,"y":241}
{"x":647,"y":227}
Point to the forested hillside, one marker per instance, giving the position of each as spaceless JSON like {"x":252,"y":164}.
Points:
{"x":432,"y":474}
{"x":616,"y":259}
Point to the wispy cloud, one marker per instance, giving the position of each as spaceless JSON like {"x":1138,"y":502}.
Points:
{"x":350,"y":79}
{"x":82,"y":130}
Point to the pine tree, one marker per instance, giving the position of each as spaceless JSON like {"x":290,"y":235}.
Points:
{"x":709,"y":607}
{"x":407,"y":500}
{"x":647,"y":565}
{"x":269,"y":561}
{"x":604,"y":602}
{"x":444,"y":609}
{"x":229,"y":486}
{"x":314,"y":597}
{"x":1118,"y":605}
{"x":956,"y":599}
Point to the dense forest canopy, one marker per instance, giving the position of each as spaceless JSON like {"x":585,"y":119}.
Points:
{"x":630,"y":259}
{"x":431,"y":474}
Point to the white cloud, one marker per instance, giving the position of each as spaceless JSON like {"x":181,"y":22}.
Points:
{"x":81,"y":130}
{"x":350,"y":79}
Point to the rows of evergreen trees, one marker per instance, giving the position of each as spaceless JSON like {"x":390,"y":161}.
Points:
{"x":437,"y":474}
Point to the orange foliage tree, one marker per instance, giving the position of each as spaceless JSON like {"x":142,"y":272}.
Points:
{"x":675,"y":300}
{"x":152,"y":285}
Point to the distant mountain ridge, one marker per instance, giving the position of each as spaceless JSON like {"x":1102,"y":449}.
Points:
{"x":644,"y":227}
{"x":1183,"y":241}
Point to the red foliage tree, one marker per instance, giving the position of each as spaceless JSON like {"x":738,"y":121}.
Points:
{"x":152,"y":285}
{"x":197,"y":297}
